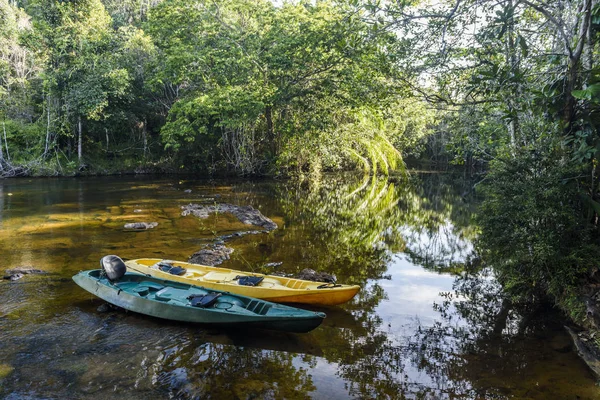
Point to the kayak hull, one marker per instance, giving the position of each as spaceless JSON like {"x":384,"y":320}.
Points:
{"x":272,"y":288}
{"x":169,"y":300}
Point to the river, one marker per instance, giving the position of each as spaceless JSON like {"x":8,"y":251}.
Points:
{"x":423,"y":326}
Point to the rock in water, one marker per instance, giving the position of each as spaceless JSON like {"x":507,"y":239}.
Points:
{"x":103,"y":308}
{"x":250,"y":216}
{"x":308,"y":274}
{"x":212,"y":255}
{"x":25,"y":270}
{"x":106,"y":307}
{"x":14,"y":277}
{"x":273,"y":264}
{"x":246,"y":214}
{"x":140,"y":225}
{"x":17,"y":273}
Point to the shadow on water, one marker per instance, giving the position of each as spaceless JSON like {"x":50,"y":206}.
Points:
{"x":423,"y":326}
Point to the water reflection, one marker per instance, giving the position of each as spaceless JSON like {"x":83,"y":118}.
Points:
{"x":483,"y":348}
{"x":404,"y":242}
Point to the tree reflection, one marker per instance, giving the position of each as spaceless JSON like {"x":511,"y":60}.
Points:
{"x":355,"y":227}
{"x":351,"y":226}
{"x":483,"y":342}
{"x":230,"y":372}
{"x":438,"y":231}
{"x":344,"y":223}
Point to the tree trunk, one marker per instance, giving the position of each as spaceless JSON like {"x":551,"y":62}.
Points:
{"x":575,"y":64}
{"x":47,"y":146}
{"x":501,"y":318}
{"x":79,"y":139}
{"x":145,"y":137}
{"x":588,"y":65}
{"x":5,"y":142}
{"x":511,"y":56}
{"x":1,"y":151}
{"x":270,"y":130}
{"x":588,"y":51}
{"x":571,"y":80}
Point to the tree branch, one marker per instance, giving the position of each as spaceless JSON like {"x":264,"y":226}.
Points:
{"x":558,"y":23}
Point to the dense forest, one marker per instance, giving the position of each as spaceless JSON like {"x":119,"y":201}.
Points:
{"x":510,"y":87}
{"x":245,"y":87}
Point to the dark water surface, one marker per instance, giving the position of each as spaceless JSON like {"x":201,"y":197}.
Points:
{"x":421,"y":327}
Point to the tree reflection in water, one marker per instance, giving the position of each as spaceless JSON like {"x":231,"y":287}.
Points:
{"x":472,"y":349}
{"x":344,"y":225}
{"x":225,"y":371}
{"x":387,"y":343}
{"x":352,"y":228}
{"x":361,"y":226}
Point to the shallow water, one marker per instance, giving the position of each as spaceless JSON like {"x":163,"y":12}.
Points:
{"x":421,"y":327}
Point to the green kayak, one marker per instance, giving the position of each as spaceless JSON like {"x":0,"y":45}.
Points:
{"x":182,"y":302}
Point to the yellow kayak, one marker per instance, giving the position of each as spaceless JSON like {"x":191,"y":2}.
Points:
{"x":266,"y":287}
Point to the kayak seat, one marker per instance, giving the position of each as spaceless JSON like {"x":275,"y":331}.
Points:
{"x":213,"y":276}
{"x":171,"y":269}
{"x":146,"y":287}
{"x":170,"y":293}
{"x":153,"y":286}
{"x":141,"y":290}
{"x":203,"y":300}
{"x":231,"y":300}
{"x":249,"y":280}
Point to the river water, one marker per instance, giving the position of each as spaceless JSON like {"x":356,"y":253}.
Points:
{"x":423,"y":325}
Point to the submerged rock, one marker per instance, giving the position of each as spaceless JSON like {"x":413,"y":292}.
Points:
{"x":273,"y":264}
{"x":308,"y":274}
{"x":211,"y":255}
{"x":106,"y":307}
{"x":17,"y":273}
{"x":561,"y":343}
{"x":103,"y":308}
{"x":239,"y":234}
{"x":246,"y":214}
{"x":140,"y":225}
{"x":26,"y":270}
{"x":14,"y":277}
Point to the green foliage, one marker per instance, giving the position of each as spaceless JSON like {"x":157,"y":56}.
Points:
{"x":591,"y":93}
{"x":241,"y":85}
{"x":360,"y":137}
{"x":477,"y":135}
{"x":364,"y":137}
{"x":533,"y":224}
{"x":281,"y":78}
{"x":515,"y":104}
{"x":23,"y":139}
{"x":84,"y":67}
{"x":408,"y":122}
